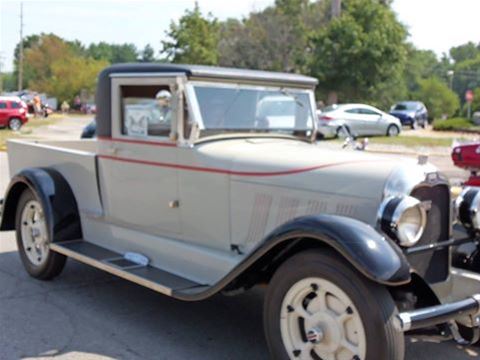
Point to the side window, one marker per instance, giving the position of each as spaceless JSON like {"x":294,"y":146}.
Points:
{"x":15,"y":105}
{"x":3,"y":105}
{"x":368,"y":112}
{"x":146,"y":110}
{"x":353,"y":111}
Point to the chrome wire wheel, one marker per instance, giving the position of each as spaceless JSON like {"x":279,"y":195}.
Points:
{"x":318,"y":320}
{"x":34,"y":233}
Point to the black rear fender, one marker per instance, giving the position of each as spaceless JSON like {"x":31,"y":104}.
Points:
{"x":56,"y":196}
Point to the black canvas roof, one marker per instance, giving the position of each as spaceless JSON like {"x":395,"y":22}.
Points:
{"x":103,"y":95}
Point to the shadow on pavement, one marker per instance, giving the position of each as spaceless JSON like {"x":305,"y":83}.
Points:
{"x":86,"y":313}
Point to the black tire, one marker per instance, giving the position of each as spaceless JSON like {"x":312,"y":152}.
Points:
{"x":54,"y":263}
{"x":15,"y":124}
{"x":374,"y":303}
{"x":414,"y":125}
{"x":390,"y":128}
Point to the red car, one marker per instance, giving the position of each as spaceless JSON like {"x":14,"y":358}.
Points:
{"x":13,"y":112}
{"x":467,"y":156}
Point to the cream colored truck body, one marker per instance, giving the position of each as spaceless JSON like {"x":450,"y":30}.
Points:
{"x":227,"y":194}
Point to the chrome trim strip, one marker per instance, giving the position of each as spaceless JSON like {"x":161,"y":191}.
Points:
{"x":111,"y":269}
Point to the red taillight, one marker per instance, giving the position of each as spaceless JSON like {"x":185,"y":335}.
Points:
{"x":326,"y":118}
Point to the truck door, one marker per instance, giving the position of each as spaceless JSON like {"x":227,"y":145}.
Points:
{"x":138,"y":176}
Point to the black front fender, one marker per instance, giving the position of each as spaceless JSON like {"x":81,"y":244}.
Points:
{"x":377,"y":257}
{"x":58,"y":202}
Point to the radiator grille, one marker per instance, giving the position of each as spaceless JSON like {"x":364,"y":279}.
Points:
{"x":434,"y":266}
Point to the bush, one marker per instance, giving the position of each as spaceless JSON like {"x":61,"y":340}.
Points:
{"x":452,"y":124}
{"x":437,"y":97}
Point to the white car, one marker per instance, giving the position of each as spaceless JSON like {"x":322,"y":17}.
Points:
{"x":358,"y":119}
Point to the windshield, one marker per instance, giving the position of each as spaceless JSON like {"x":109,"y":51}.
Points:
{"x":405,"y":106}
{"x":242,"y":109}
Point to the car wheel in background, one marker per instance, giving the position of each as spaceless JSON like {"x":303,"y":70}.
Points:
{"x":393,"y":130}
{"x":414,"y":125}
{"x":15,"y":124}
{"x":319,"y":307}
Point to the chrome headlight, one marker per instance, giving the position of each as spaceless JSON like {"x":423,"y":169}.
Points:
{"x":403,"y":218}
{"x":467,"y":206}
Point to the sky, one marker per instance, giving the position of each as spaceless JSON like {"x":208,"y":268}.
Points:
{"x":432,"y":24}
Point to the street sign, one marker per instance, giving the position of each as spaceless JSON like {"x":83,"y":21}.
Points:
{"x":469,"y":96}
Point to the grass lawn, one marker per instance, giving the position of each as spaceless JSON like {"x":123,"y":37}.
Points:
{"x":32,"y":124}
{"x":408,"y":141}
{"x":412,"y":141}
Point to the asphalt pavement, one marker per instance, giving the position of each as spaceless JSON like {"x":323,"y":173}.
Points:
{"x":88,"y":314}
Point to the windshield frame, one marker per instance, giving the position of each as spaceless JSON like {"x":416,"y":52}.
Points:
{"x":194,"y":108}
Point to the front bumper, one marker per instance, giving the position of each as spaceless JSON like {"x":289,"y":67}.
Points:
{"x":439,"y":314}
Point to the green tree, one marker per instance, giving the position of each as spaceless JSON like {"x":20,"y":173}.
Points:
{"x":360,"y":51}
{"x":464,"y":52}
{"x":148,"y":54}
{"x":69,"y":75}
{"x":113,"y":53}
{"x":437,"y":97}
{"x":194,"y":39}
{"x":422,"y":64}
{"x":276,"y":38}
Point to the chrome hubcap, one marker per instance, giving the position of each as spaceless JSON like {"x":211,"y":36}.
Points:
{"x":34,"y":233}
{"x":15,"y":124}
{"x":319,"y":320}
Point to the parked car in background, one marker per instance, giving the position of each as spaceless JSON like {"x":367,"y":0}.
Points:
{"x":13,"y":112}
{"x":411,"y":113}
{"x":357,"y":119}
{"x":89,"y":131}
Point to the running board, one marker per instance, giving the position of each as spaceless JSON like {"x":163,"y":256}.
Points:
{"x":115,"y":263}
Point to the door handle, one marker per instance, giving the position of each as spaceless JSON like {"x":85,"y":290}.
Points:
{"x":112,"y":150}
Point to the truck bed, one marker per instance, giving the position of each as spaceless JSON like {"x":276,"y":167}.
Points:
{"x":75,"y":160}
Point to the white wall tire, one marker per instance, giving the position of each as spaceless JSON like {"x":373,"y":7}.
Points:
{"x":33,"y":239}
{"x":317,"y":306}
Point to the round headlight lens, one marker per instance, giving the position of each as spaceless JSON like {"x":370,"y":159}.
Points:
{"x":404,"y":219}
{"x":467,"y":206}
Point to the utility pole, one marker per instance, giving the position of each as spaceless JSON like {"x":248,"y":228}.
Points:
{"x":20,"y":57}
{"x":1,"y":76}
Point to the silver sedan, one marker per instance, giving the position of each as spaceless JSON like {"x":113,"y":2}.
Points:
{"x":358,"y":120}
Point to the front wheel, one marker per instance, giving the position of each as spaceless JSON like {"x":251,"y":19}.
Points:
{"x":33,"y":239}
{"x":319,"y":307}
{"x":393,"y":130}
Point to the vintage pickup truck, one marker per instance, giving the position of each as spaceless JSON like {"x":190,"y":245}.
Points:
{"x":205,"y":180}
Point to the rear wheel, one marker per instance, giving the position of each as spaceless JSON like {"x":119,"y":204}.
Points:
{"x":33,"y":239}
{"x":15,"y":124}
{"x":393,"y":130}
{"x":317,"y":307}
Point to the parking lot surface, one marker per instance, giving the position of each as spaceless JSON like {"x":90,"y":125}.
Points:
{"x":88,"y":314}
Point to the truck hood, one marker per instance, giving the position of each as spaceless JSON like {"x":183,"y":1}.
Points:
{"x":297,"y":165}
